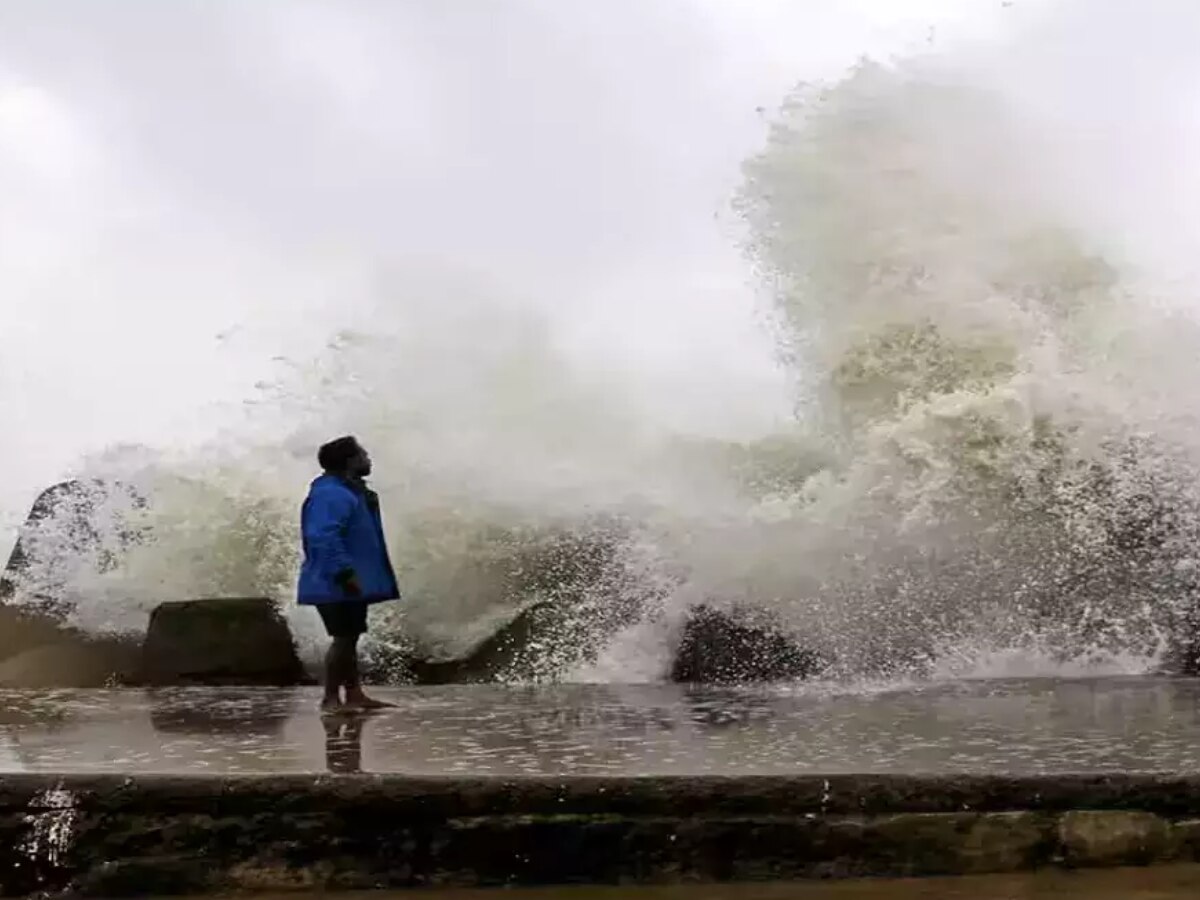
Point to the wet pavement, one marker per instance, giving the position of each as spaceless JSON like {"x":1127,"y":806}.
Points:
{"x":1019,"y":727}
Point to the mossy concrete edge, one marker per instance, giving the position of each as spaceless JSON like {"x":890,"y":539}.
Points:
{"x":121,"y":835}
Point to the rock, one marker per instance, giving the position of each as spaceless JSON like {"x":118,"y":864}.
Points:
{"x":37,"y":651}
{"x":70,"y":524}
{"x":220,"y":641}
{"x":957,"y":843}
{"x":572,"y":592}
{"x":498,"y":656}
{"x":1185,"y":840}
{"x":491,"y":659}
{"x":44,"y":507}
{"x":23,"y":629}
{"x":717,"y":648}
{"x":79,"y":664}
{"x":721,"y":647}
{"x":1113,"y":838}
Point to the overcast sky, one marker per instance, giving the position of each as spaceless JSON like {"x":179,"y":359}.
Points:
{"x":188,"y":189}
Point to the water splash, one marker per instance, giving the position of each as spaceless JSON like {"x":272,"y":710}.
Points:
{"x":989,"y":465}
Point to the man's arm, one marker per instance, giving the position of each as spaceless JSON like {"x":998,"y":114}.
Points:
{"x":325,"y":533}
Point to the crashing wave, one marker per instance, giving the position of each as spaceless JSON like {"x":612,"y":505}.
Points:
{"x":982,"y":464}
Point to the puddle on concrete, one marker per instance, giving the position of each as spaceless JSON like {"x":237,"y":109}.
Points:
{"x":1020,"y":727}
{"x":1161,"y":883}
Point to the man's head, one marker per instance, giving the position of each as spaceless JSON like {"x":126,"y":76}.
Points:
{"x":345,"y":457}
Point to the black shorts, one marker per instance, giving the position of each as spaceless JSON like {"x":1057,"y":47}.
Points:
{"x":344,"y":618}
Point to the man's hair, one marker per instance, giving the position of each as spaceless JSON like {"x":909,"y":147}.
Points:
{"x":336,"y":455}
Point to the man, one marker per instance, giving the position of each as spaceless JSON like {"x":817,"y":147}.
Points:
{"x":346,"y":566}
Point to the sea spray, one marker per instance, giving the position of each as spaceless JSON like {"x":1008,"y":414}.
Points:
{"x":986,"y":463}
{"x":993,"y":472}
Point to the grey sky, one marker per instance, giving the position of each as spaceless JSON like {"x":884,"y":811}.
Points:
{"x":191,"y":188}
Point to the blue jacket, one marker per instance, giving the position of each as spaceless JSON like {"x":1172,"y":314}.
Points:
{"x":343,"y":532}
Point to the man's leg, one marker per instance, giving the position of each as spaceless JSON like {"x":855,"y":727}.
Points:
{"x":339,"y":670}
{"x":355,"y":697}
{"x":333,"y":678}
{"x":334,"y":619}
{"x":350,"y":673}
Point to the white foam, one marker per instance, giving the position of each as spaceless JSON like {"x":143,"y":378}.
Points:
{"x":964,"y":337}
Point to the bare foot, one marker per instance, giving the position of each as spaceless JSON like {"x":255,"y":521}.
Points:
{"x":363,"y":703}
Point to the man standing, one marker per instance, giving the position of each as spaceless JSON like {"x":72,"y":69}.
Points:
{"x":346,"y":566}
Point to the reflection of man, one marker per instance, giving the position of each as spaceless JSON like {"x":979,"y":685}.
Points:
{"x":343,"y":743}
{"x":346,"y":566}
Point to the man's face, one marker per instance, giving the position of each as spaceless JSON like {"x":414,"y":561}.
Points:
{"x":360,"y":464}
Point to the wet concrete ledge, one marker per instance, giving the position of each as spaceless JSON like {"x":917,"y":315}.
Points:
{"x":118,"y":836}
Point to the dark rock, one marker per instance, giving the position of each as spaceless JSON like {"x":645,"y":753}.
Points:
{"x":717,"y":648}
{"x":24,"y":629}
{"x":491,"y":659}
{"x":497,"y":657}
{"x":220,"y":641}
{"x":61,"y":528}
{"x":38,"y":651}
{"x":1114,"y":838}
{"x":571,"y":591}
{"x":721,"y":647}
{"x":1185,"y":839}
{"x":960,"y":843}
{"x":76,"y":664}
{"x":48,"y":503}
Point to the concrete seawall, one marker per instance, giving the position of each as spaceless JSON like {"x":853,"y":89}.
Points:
{"x":114,"y":835}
